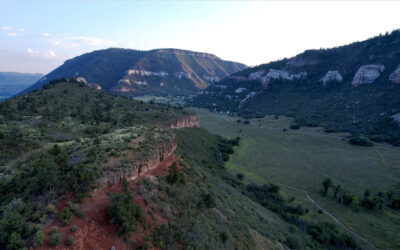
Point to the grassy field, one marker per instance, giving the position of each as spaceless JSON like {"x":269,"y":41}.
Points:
{"x":302,"y":158}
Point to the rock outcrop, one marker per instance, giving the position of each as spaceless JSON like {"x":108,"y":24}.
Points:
{"x":331,"y":76}
{"x":265,"y":77}
{"x":152,"y":157}
{"x":90,"y":84}
{"x":256,"y":75}
{"x":395,"y":76}
{"x":240,"y":90}
{"x":212,"y":79}
{"x":367,"y":74}
{"x":94,"y":85}
{"x":396,"y":118}
{"x":147,"y":73}
{"x":139,"y":168}
{"x":186,"y":122}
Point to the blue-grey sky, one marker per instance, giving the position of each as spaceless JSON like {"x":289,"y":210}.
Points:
{"x":37,"y":36}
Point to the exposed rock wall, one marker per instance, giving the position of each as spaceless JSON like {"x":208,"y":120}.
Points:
{"x":153,"y":158}
{"x":395,"y":76}
{"x":331,"y":75}
{"x":367,"y":74}
{"x":265,"y":77}
{"x":186,"y":122}
{"x":136,"y":169}
{"x":396,"y":118}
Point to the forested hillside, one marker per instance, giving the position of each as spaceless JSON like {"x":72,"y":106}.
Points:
{"x":353,"y":88}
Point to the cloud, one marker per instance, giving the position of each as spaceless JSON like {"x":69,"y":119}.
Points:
{"x":45,"y":55}
{"x":31,"y":51}
{"x":6,"y":28}
{"x":12,"y":34}
{"x":51,"y":54}
{"x":94,"y":41}
{"x":56,"y":42}
{"x":21,"y":29}
{"x":72,"y":41}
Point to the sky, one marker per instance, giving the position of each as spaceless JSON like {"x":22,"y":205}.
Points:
{"x":38,"y":36}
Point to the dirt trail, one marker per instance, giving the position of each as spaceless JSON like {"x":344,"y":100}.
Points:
{"x":329,"y":214}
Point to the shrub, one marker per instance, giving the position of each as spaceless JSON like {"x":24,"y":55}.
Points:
{"x":175,"y":175}
{"x":295,"y":126}
{"x":360,"y":141}
{"x":74,"y":228}
{"x":71,"y":240}
{"x":326,"y":184}
{"x":81,"y":214}
{"x":223,"y":236}
{"x":39,"y":239}
{"x":124,"y":212}
{"x":240,"y":176}
{"x":164,"y":237}
{"x":292,"y":243}
{"x":66,"y":216}
{"x":52,"y":209}
{"x":15,"y":241}
{"x":55,"y":239}
{"x":327,"y":234}
{"x":53,"y":230}
{"x":208,"y":200}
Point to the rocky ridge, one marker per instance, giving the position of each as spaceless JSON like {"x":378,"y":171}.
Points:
{"x":162,"y":151}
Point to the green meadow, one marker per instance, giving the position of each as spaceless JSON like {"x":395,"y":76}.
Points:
{"x":271,"y":152}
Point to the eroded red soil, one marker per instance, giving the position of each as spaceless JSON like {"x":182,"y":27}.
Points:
{"x":95,"y":231}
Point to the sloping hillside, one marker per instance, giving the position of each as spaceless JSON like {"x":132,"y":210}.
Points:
{"x":133,"y":72}
{"x":12,"y":83}
{"x":352,"y":88}
{"x":78,"y":164}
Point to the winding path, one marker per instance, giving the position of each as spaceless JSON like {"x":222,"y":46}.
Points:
{"x":329,"y":214}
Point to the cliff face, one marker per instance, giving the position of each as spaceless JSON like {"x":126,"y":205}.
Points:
{"x":140,"y":168}
{"x":153,"y":158}
{"x":186,"y":122}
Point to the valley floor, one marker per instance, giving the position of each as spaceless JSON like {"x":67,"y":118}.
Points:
{"x":299,"y":160}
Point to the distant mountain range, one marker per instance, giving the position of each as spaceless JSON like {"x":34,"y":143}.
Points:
{"x":353,"y":88}
{"x":11,"y":82}
{"x":134,"y":72}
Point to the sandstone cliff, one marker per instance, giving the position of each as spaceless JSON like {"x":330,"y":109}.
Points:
{"x":330,"y":76}
{"x":367,"y":74}
{"x":139,"y":167}
{"x":151,"y":159}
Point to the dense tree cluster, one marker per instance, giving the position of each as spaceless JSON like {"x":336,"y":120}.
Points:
{"x":324,"y":233}
{"x":368,"y":201}
{"x":124,"y":212}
